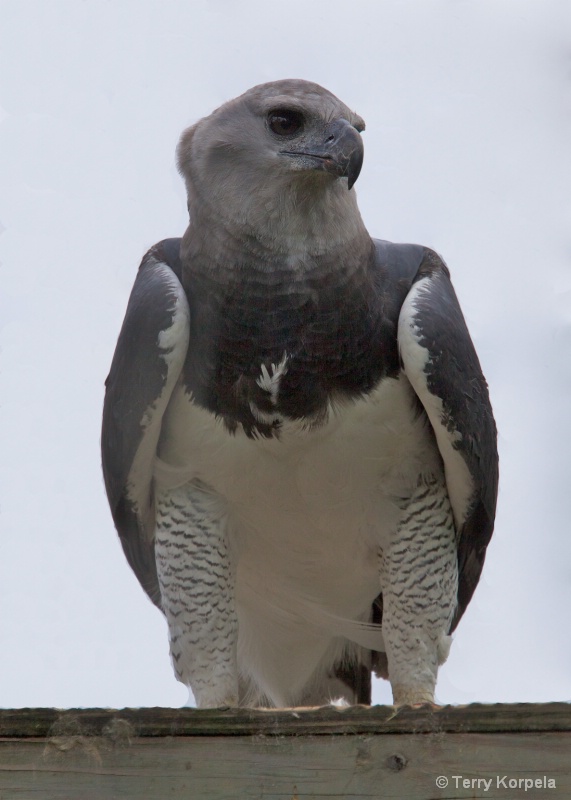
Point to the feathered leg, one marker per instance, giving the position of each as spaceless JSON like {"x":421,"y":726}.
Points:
{"x":419,"y":579}
{"x":196,"y":577}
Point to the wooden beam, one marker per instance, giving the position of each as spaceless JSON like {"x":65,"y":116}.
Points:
{"x":290,"y":754}
{"x":474,"y":718}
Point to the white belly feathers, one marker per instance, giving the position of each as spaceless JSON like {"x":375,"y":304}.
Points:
{"x":322,"y":496}
{"x":308,"y":513}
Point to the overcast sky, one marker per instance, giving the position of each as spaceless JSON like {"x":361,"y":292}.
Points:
{"x":468,"y":109}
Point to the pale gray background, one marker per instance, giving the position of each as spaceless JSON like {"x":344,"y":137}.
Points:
{"x":467,"y":105}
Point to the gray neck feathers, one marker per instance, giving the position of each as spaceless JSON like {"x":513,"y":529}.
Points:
{"x":290,"y":227}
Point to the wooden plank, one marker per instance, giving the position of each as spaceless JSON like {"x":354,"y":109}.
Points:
{"x":276,"y":767}
{"x":290,"y":754}
{"x":474,"y":718}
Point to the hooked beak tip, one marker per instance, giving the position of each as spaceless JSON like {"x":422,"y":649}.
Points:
{"x":354,"y":167}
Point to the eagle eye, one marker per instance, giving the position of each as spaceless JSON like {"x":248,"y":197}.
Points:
{"x":285,"y":122}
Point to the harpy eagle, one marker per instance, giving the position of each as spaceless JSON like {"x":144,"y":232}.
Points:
{"x":298,"y":445}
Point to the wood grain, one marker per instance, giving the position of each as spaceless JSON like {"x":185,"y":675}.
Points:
{"x":474,"y":718}
{"x":295,"y":754}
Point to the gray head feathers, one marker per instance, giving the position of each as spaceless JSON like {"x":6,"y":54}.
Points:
{"x":259,"y":163}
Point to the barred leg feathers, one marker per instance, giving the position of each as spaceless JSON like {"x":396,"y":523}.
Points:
{"x":419,"y":580}
{"x":196,"y":577}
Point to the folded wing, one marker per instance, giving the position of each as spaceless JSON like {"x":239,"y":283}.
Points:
{"x":442,"y":366}
{"x":148,"y":359}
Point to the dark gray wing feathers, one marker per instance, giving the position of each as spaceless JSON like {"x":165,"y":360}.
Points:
{"x":144,"y":370}
{"x":441,"y":363}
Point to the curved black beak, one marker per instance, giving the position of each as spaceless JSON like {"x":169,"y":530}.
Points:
{"x":339,"y":151}
{"x":343,"y":148}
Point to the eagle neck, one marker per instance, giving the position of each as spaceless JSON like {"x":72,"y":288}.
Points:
{"x":223,"y":253}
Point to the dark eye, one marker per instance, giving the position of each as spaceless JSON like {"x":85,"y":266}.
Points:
{"x":285,"y":122}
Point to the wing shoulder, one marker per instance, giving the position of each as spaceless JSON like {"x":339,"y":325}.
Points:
{"x":146,"y":366}
{"x":440,"y":361}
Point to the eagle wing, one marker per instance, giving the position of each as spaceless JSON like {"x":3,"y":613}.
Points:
{"x":148,"y":359}
{"x":441,"y":364}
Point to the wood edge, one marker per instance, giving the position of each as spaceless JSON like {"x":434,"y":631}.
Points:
{"x":326,"y":720}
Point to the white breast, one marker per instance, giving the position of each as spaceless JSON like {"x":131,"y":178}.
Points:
{"x":308,"y":514}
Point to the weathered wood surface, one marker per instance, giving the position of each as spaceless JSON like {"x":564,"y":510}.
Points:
{"x":474,"y":718}
{"x":355,"y":753}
